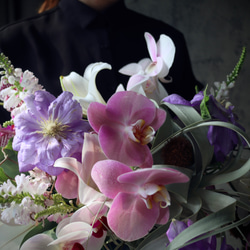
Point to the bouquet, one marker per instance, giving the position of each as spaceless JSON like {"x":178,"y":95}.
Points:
{"x":144,"y":170}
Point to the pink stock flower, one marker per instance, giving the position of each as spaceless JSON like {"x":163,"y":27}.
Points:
{"x":125,"y":126}
{"x":84,"y":187}
{"x":140,"y":198}
{"x":6,"y":134}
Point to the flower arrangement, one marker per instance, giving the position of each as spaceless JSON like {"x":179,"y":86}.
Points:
{"x":144,"y":170}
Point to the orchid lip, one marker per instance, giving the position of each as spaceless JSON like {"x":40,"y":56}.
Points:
{"x":140,"y":133}
{"x":150,"y":193}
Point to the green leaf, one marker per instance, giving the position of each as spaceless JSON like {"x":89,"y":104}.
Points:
{"x":203,"y":149}
{"x":41,"y":228}
{"x":9,"y":163}
{"x":3,"y":176}
{"x":205,"y":114}
{"x":223,"y":211}
{"x":235,"y":174}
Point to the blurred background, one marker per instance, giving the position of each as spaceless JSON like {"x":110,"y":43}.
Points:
{"x":215,"y":33}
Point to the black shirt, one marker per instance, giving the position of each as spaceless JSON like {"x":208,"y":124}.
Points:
{"x":72,"y":35}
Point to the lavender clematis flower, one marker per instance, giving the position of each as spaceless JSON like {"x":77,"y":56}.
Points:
{"x":49,"y":129}
{"x":140,"y":198}
{"x":125,"y":126}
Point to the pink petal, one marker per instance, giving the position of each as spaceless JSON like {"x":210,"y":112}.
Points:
{"x":163,"y":216}
{"x":90,"y":213}
{"x":70,"y":180}
{"x":96,"y":115}
{"x":86,"y":193}
{"x":124,"y":150}
{"x":160,"y":117}
{"x":151,"y":44}
{"x":105,"y":174}
{"x":91,"y":153}
{"x":160,"y":176}
{"x":129,"y":217}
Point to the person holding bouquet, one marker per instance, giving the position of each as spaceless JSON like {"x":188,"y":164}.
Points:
{"x":68,"y":35}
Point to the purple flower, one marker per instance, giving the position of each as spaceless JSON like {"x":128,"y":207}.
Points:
{"x":49,"y":129}
{"x":222,"y":147}
{"x":176,"y":227}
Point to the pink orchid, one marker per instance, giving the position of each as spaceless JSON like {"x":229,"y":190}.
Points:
{"x":140,"y":198}
{"x":87,"y":189}
{"x":125,"y":126}
{"x":146,"y":72}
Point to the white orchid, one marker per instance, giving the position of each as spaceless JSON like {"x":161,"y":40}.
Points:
{"x":84,"y":88}
{"x":147,"y":71}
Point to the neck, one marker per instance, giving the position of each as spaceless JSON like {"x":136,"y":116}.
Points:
{"x":99,"y":4}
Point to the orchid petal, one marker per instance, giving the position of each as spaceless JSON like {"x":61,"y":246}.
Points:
{"x":70,"y":180}
{"x":136,"y":80}
{"x":132,"y":215}
{"x":86,"y":193}
{"x":39,"y":242}
{"x":76,"y":231}
{"x":91,"y":153}
{"x":160,"y":176}
{"x":166,"y":50}
{"x":114,"y":123}
{"x":144,"y":63}
{"x":151,"y":45}
{"x":131,"y":69}
{"x":105,"y":174}
{"x":90,"y":213}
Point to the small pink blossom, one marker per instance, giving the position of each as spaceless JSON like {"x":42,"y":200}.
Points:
{"x":125,"y":126}
{"x":140,"y":198}
{"x":6,"y":134}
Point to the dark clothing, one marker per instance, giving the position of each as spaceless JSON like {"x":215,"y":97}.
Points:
{"x":72,"y":35}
